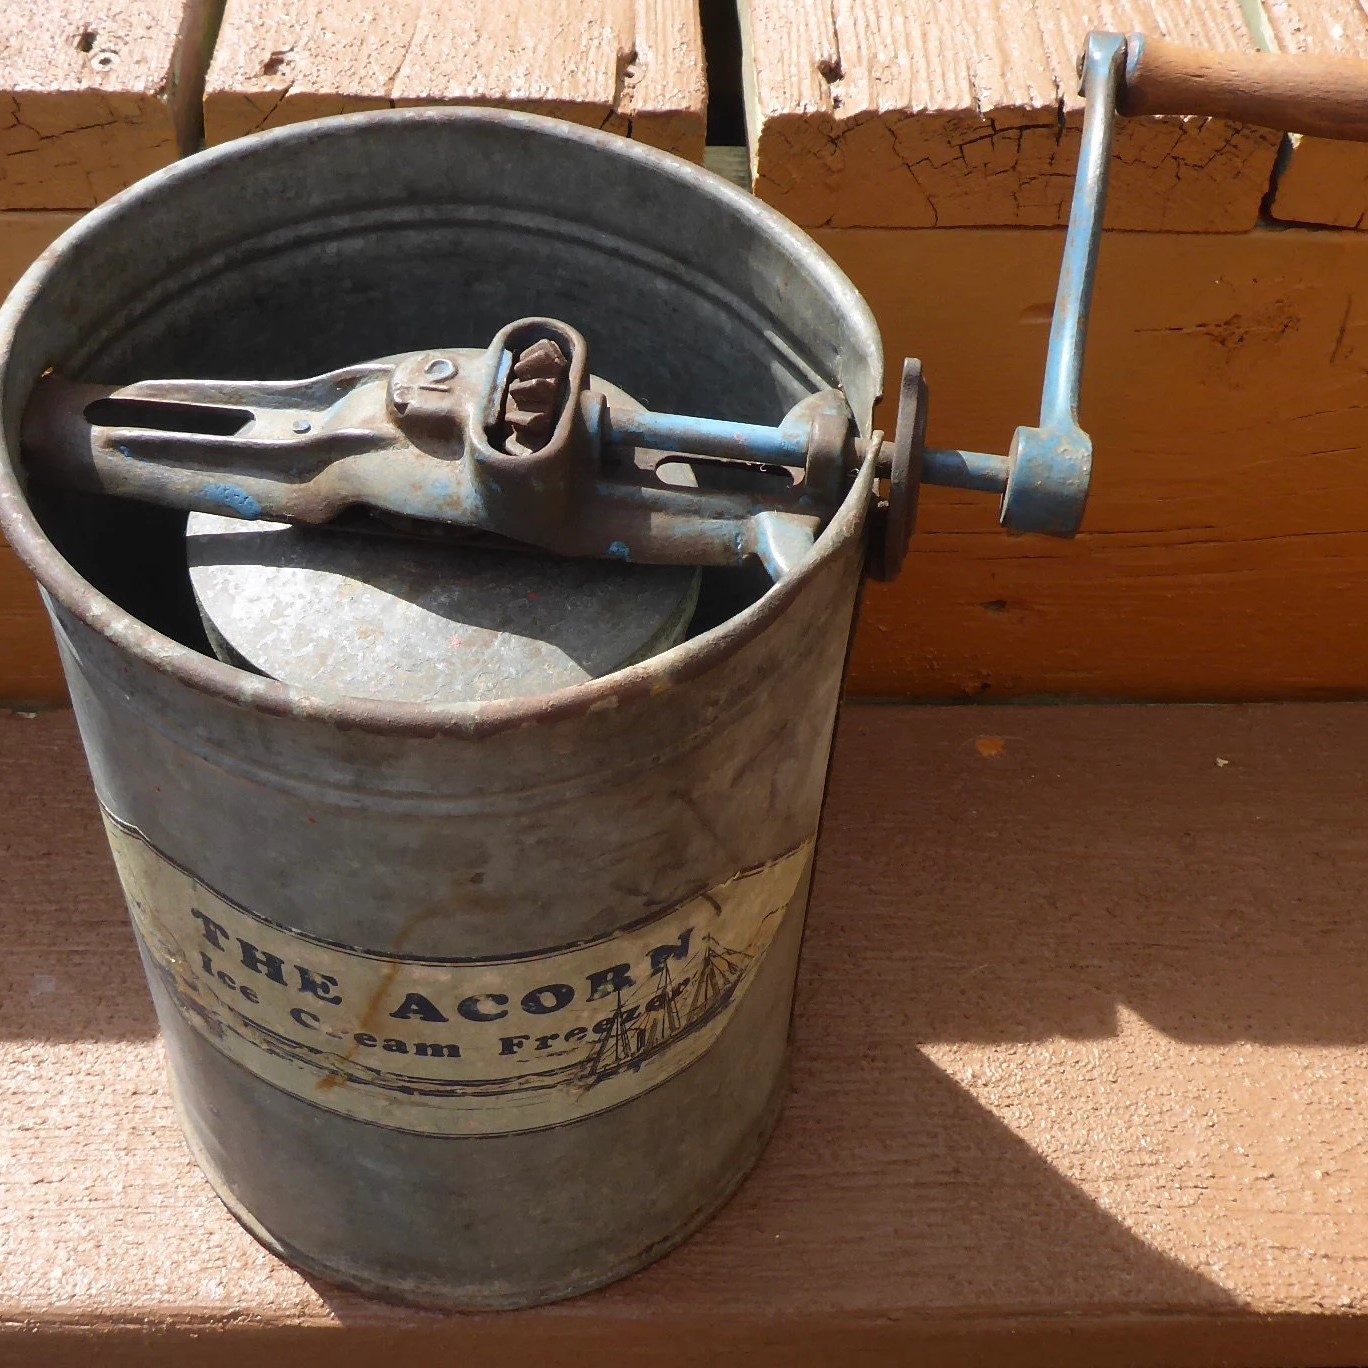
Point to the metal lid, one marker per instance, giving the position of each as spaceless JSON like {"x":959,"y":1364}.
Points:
{"x":407,"y":620}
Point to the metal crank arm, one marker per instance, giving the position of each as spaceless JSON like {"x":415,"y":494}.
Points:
{"x":1043,"y":480}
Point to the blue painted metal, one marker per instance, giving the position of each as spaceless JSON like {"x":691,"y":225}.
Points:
{"x":783,"y":445}
{"x":1051,"y":464}
{"x":965,"y":470}
{"x":232,"y":500}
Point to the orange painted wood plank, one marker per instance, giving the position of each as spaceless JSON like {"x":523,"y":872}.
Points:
{"x":95,"y":96}
{"x":1225,"y":550}
{"x":864,"y":114}
{"x":632,"y":66}
{"x":29,"y":670}
{"x":1075,"y":1088}
{"x":1320,"y":180}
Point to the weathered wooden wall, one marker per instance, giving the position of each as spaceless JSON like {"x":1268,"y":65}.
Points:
{"x":94,"y":96}
{"x":1225,"y":552}
{"x":866,"y":114}
{"x":632,"y":66}
{"x":1226,"y":542}
{"x":29,"y":671}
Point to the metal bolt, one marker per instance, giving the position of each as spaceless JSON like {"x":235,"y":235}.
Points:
{"x":440,"y":368}
{"x":301,"y":425}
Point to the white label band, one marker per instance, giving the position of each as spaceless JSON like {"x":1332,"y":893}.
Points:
{"x":456,"y":1047}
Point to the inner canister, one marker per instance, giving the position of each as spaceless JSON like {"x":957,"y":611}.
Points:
{"x":421,"y":616}
{"x":465,"y":1003}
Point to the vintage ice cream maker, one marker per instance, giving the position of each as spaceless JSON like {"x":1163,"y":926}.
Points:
{"x":462,"y":750}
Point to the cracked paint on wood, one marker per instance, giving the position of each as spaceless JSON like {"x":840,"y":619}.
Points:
{"x":1321,"y":180}
{"x":631,"y":66}
{"x":867,"y":114}
{"x":95,"y":96}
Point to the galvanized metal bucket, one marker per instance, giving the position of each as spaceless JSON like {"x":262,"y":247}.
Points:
{"x":402,"y":954}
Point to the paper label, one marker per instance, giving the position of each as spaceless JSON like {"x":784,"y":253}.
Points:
{"x":456,"y":1046}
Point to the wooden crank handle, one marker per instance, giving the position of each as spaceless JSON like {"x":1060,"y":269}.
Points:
{"x":1327,"y":96}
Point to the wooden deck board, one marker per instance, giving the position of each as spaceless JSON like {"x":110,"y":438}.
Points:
{"x":1079,"y":1077}
{"x":869,"y":115}
{"x":95,"y":96}
{"x":632,"y":66}
{"x":1224,"y":554}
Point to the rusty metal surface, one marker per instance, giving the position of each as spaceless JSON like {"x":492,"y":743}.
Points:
{"x":391,"y":614}
{"x":901,"y":467}
{"x":487,"y":829}
{"x":534,"y":396}
{"x":517,"y":440}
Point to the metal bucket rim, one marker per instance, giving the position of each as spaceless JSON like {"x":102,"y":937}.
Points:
{"x":208,"y":675}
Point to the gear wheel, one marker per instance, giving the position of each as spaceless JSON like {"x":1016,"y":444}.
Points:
{"x":533,"y":401}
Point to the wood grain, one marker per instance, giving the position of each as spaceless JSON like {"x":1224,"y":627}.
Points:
{"x":1225,"y":550}
{"x":29,"y":670}
{"x":22,"y":237}
{"x":869,"y":114}
{"x":632,"y":66}
{"x":1084,"y":1088}
{"x":1326,"y":97}
{"x":95,"y":96}
{"x":1321,"y":181}
{"x":1224,"y":554}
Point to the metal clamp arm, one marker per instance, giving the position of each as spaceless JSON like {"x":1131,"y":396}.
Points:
{"x":512,"y":442}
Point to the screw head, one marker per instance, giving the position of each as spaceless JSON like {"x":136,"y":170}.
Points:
{"x":440,"y":368}
{"x":301,"y":425}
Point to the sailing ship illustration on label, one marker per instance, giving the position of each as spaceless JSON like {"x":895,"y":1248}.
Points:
{"x":455,"y":1046}
{"x":637,"y":1032}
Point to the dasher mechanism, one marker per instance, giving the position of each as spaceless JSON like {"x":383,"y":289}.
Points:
{"x":516,"y":442}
